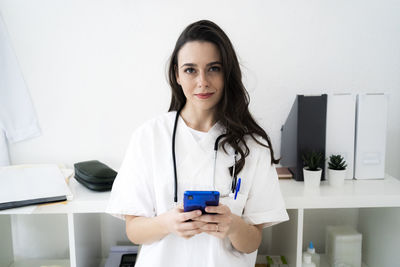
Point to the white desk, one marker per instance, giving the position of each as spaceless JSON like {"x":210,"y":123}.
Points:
{"x":84,"y":210}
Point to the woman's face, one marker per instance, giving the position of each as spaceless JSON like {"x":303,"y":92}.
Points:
{"x":199,"y":72}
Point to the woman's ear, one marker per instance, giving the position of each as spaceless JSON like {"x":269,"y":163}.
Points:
{"x":177,"y":74}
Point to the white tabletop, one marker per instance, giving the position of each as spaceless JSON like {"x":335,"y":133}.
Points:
{"x":353,"y":194}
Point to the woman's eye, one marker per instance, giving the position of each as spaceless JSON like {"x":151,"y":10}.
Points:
{"x":189,"y":70}
{"x":215,"y":68}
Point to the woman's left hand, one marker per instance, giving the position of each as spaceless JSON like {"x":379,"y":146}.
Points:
{"x":219,"y":224}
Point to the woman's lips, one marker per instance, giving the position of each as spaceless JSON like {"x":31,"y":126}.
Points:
{"x":204,"y":96}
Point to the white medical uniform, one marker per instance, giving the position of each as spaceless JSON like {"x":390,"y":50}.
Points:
{"x":17,"y":116}
{"x":145,"y":187}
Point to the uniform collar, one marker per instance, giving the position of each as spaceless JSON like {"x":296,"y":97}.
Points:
{"x":207,"y":142}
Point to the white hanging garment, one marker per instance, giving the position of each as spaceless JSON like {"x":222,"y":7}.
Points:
{"x":17,"y":116}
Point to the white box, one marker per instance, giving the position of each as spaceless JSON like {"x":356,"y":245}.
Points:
{"x":340,"y":129}
{"x":370,"y":148}
{"x":343,"y":244}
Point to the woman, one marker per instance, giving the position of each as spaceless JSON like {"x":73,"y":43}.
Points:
{"x":208,"y":102}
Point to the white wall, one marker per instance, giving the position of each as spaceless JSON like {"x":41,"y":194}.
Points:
{"x":96,"y":69}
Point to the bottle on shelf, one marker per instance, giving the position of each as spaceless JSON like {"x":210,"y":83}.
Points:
{"x":307,"y":261}
{"x":315,"y":258}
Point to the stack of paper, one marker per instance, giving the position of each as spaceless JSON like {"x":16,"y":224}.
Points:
{"x":32,"y":184}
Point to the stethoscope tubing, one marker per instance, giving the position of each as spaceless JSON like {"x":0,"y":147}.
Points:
{"x":215,"y":159}
{"x":174,"y":157}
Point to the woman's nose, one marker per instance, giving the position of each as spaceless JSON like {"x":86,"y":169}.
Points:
{"x":202,"y":80}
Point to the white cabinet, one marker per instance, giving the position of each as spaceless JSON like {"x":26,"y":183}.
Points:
{"x":79,"y":234}
{"x":370,"y":206}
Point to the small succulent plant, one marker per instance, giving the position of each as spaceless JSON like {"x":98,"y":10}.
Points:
{"x":312,"y":160}
{"x":337,"y":162}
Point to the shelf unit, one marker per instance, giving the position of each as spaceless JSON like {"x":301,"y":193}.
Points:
{"x":355,"y":204}
{"x":89,"y":232}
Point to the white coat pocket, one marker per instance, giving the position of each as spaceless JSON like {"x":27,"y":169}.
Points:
{"x":235,"y":205}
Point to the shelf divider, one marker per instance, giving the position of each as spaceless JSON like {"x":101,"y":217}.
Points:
{"x":300,"y":229}
{"x":71,"y":238}
{"x":285,"y":237}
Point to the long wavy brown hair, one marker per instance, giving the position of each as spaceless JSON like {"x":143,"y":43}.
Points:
{"x":233,"y":109}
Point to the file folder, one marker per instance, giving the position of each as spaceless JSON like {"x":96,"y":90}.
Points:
{"x":304,"y":131}
{"x":30,"y":185}
{"x":340,"y":129}
{"x":370,"y":148}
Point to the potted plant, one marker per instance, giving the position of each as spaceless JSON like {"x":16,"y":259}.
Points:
{"x":312,"y":171}
{"x":336,"y":170}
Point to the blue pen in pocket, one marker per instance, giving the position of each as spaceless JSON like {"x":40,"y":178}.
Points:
{"x":237,"y":187}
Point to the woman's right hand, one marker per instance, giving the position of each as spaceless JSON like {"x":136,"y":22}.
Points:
{"x":181,"y":223}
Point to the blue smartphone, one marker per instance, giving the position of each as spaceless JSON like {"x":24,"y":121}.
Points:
{"x":198,"y":200}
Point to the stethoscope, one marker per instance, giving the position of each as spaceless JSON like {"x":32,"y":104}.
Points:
{"x":234,"y":177}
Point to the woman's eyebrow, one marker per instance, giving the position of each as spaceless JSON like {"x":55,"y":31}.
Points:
{"x":214,"y":63}
{"x":194,"y":65}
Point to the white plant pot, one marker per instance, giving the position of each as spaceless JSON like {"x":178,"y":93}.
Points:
{"x":312,"y":179}
{"x":336,"y":177}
